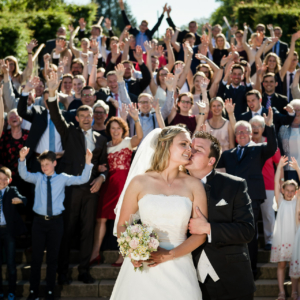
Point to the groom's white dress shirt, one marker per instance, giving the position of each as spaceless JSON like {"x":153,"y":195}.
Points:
{"x":204,"y":267}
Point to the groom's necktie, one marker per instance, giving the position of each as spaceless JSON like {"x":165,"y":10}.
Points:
{"x":239,"y":152}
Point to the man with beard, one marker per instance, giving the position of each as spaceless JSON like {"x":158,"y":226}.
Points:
{"x":222,"y":262}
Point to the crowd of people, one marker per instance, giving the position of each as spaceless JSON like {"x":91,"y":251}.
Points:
{"x":70,"y":132}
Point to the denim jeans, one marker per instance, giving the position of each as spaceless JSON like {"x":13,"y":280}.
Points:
{"x":9,"y":243}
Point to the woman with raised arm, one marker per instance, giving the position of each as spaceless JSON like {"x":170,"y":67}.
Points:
{"x":237,"y":35}
{"x":119,"y":151}
{"x":18,"y":77}
{"x":164,"y":198}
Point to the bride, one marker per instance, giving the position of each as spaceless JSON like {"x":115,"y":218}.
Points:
{"x":162,"y":196}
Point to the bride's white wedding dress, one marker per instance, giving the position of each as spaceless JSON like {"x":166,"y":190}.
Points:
{"x":171,"y":280}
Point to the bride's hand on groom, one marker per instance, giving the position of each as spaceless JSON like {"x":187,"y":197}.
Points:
{"x":158,"y":257}
{"x":199,"y":225}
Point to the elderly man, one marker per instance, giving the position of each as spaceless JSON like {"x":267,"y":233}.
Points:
{"x":246,"y":161}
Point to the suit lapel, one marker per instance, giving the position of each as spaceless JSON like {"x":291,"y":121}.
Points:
{"x":81,"y":137}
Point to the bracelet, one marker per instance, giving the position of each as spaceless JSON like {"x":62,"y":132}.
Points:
{"x":135,"y":121}
{"x":202,"y":114}
{"x":282,"y":179}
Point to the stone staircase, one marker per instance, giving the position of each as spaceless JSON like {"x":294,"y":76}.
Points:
{"x":106,"y":275}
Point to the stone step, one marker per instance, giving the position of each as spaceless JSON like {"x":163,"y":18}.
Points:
{"x":99,"y":272}
{"x":269,"y":288}
{"x":269,"y":271}
{"x":76,"y":289}
{"x":106,"y":288}
{"x":263,"y":256}
{"x":23,"y":256}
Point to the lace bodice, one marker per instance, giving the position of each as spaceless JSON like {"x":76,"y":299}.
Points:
{"x":168,"y":215}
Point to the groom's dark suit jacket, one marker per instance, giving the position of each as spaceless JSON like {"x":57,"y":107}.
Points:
{"x":232,"y":227}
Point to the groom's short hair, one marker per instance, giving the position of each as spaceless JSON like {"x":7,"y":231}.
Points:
{"x":215,"y":146}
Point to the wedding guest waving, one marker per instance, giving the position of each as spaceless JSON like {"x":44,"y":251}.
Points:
{"x":119,"y":151}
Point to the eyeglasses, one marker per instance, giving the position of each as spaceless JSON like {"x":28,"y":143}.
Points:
{"x":99,"y":113}
{"x":163,"y":74}
{"x":87,"y":95}
{"x":144,"y":102}
{"x":185,"y":102}
{"x":242,"y":132}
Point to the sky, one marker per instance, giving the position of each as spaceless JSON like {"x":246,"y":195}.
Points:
{"x":183,"y":11}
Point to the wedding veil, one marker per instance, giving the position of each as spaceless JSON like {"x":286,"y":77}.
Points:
{"x":141,"y":163}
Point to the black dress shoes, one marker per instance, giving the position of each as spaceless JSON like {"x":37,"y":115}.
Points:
{"x":86,"y":278}
{"x":63,"y":279}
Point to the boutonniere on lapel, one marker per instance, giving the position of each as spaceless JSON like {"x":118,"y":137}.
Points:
{"x":222,"y":203}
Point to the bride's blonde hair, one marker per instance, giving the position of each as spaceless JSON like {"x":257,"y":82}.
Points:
{"x":161,"y":157}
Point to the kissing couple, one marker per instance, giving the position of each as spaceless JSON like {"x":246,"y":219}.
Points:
{"x":204,"y":221}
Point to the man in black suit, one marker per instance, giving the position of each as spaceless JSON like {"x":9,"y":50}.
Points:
{"x":280,"y":48}
{"x":81,"y":201}
{"x":254,"y":103}
{"x":247,"y":161}
{"x":111,"y":95}
{"x":51,"y":44}
{"x":235,"y":91}
{"x":193,"y":27}
{"x":222,"y":262}
{"x":269,"y":97}
{"x":39,"y":135}
{"x":133,"y":86}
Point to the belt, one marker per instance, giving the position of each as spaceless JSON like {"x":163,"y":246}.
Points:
{"x":47,"y":218}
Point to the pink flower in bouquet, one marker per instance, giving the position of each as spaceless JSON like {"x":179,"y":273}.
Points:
{"x":135,"y":229}
{"x":153,"y":243}
{"x":134,"y":243}
{"x":128,"y":238}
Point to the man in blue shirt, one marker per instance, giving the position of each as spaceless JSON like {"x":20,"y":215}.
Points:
{"x":47,"y":227}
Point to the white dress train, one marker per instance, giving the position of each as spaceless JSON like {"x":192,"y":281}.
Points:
{"x":175,"y":279}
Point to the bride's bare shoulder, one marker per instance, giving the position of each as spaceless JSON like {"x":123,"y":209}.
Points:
{"x":142,"y":179}
{"x":191,"y":181}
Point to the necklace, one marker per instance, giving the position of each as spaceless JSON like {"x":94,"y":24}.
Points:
{"x":168,"y":184}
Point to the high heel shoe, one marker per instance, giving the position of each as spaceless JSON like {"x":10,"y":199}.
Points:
{"x":96,"y":260}
{"x":295,"y":296}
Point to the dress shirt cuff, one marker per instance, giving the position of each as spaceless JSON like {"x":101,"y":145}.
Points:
{"x":107,"y":99}
{"x":224,"y":82}
{"x":82,"y":29}
{"x":51,"y":99}
{"x":290,"y":114}
{"x":103,"y":177}
{"x":209,"y":237}
{"x":203,"y":61}
{"x":25,"y":94}
{"x":248,"y":84}
{"x":56,"y":56}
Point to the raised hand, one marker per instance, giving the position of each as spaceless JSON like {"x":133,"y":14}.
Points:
{"x":53,"y":83}
{"x":188,"y":51}
{"x":88,"y":156}
{"x":148,"y":47}
{"x":29,"y":47}
{"x":155,"y":104}
{"x":289,"y":108}
{"x":270,"y":27}
{"x":114,"y":102}
{"x":103,"y":40}
{"x":204,"y":82}
{"x":115,"y":52}
{"x":138,"y":54}
{"x":200,"y":56}
{"x":225,"y":59}
{"x":23,"y":152}
{"x":294,"y":164}
{"x":121,"y":45}
{"x":133,"y":111}
{"x":229,"y":106}
{"x":31,"y":84}
{"x":46,"y":57}
{"x":296,"y":36}
{"x":167,"y":38}
{"x":95,"y":59}
{"x":82,"y":23}
{"x":203,"y":107}
{"x":71,"y":28}
{"x":124,"y":112}
{"x":169,"y":9}
{"x":269,"y":118}
{"x":284,"y":160}
{"x":121,"y":4}
{"x":94,"y":45}
{"x":4,"y":67}
{"x":169,"y":81}
{"x":178,"y":70}
{"x":165,"y":8}
{"x":107,"y":23}
{"x":120,"y":70}
{"x":245,"y":26}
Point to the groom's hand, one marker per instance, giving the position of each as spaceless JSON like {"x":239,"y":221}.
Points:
{"x":199,"y":225}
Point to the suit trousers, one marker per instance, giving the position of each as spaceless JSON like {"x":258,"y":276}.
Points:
{"x":80,"y":212}
{"x":46,"y":234}
{"x":216,"y":291}
{"x":268,"y":216}
{"x":8,"y":241}
{"x":253,"y":245}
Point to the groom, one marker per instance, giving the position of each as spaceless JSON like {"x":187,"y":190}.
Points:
{"x":222,"y":262}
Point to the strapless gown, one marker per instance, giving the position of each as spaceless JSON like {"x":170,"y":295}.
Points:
{"x":172,"y":280}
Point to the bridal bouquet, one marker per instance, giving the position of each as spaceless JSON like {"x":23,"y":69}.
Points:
{"x":138,"y":241}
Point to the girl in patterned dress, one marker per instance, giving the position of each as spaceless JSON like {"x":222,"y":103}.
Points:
{"x":285,"y":225}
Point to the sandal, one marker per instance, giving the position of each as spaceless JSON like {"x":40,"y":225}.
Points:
{"x":295,"y":296}
{"x":281,"y":296}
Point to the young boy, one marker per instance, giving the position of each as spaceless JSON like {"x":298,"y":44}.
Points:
{"x":11,"y":225}
{"x":47,"y":227}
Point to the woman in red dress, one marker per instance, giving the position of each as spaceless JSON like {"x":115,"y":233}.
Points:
{"x":119,"y":151}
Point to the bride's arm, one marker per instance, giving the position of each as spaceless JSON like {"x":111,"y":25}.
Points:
{"x":195,"y":240}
